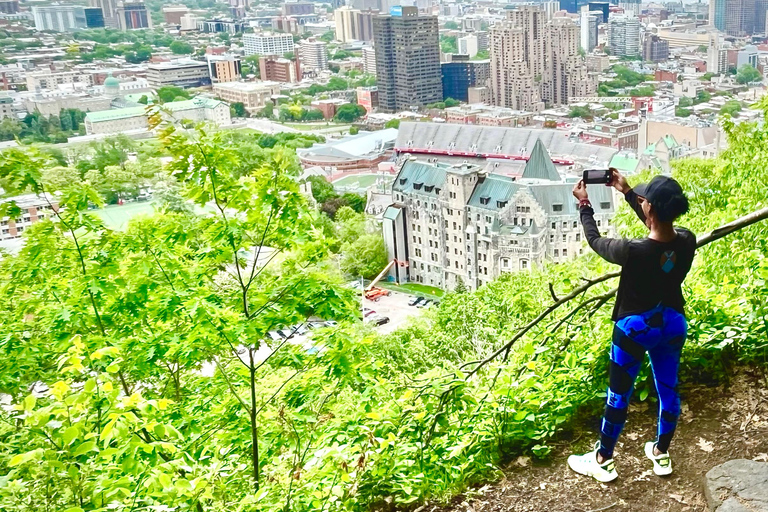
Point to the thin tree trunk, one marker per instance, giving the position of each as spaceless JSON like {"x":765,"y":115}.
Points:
{"x":254,"y":428}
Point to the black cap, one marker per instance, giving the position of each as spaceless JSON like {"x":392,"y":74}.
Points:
{"x":665,"y":195}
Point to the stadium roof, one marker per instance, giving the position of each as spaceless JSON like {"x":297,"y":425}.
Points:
{"x":432,"y":138}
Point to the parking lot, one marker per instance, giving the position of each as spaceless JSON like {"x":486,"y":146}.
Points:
{"x":395,"y":307}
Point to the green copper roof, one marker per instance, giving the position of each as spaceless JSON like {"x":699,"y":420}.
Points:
{"x":540,"y":164}
{"x":112,"y":115}
{"x":670,"y":141}
{"x":624,"y":163}
{"x":493,"y":192}
{"x":419,"y":177}
{"x":391,"y":213}
{"x":174,"y":106}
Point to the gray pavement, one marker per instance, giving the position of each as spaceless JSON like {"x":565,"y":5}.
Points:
{"x":395,"y":307}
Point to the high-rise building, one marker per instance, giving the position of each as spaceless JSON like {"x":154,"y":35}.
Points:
{"x":59,"y":18}
{"x":407,"y":59}
{"x":94,"y":17}
{"x":277,"y":69}
{"x":603,"y":7}
{"x":9,"y":6}
{"x":468,"y":45}
{"x":624,"y":35}
{"x":133,"y":15}
{"x":535,"y":61}
{"x":268,"y":44}
{"x":738,"y":18}
{"x":369,"y":60}
{"x":655,"y":49}
{"x":294,"y":8}
{"x":181,"y":73}
{"x":109,"y":10}
{"x":223,"y":68}
{"x":569,"y":6}
{"x":630,"y":6}
{"x":461,"y":73}
{"x":717,"y":55}
{"x":313,"y":55}
{"x":588,"y":24}
{"x":354,"y":24}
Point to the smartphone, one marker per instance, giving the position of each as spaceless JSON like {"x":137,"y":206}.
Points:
{"x":595,"y":176}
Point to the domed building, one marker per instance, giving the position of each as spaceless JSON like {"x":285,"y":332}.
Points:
{"x":111,"y":86}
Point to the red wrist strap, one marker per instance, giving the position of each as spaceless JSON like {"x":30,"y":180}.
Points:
{"x":584,"y":202}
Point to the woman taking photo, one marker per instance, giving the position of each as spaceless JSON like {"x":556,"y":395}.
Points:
{"x":648,"y":315}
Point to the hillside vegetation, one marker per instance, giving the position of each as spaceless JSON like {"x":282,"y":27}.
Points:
{"x":105,"y":334}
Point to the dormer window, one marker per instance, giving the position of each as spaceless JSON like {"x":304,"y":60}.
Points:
{"x":417,"y":186}
{"x":557,"y":207}
{"x":429,"y":188}
{"x":437,"y":191}
{"x":485,"y":200}
{"x":501,"y":204}
{"x":403,"y":180}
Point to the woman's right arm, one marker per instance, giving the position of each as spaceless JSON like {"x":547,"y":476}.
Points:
{"x":619,"y":182}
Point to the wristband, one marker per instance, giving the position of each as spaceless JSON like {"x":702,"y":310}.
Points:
{"x":584,"y":202}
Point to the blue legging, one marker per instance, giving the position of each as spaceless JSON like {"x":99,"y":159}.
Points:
{"x":660,"y":332}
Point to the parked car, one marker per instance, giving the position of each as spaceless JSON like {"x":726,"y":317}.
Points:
{"x":423,"y":303}
{"x":300,"y":329}
{"x":376,"y":293}
{"x":331,"y":323}
{"x":379,"y":319}
{"x":286,"y":333}
{"x":414,"y":300}
{"x":316,"y":324}
{"x":274,"y":336}
{"x":368,"y":312}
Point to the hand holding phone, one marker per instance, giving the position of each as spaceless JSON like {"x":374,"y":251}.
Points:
{"x":597,"y":176}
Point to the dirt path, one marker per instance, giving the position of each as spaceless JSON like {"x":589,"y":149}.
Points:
{"x":717,"y":424}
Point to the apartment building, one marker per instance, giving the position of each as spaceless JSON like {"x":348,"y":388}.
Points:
{"x":253,"y":95}
{"x":223,"y":68}
{"x":535,"y":60}
{"x":407,"y":59}
{"x":369,"y":60}
{"x":313,"y":55}
{"x":461,"y":73}
{"x":34,"y":208}
{"x":655,"y":49}
{"x":624,"y":36}
{"x":49,"y":80}
{"x":353,"y":24}
{"x":452,"y":224}
{"x":181,"y":73}
{"x":277,"y":69}
{"x":267,"y":44}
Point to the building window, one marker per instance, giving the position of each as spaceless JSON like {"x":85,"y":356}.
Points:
{"x":578,"y":237}
{"x":523,"y":264}
{"x":522,"y":222}
{"x":454,"y":225}
{"x":487,"y":219}
{"x":575,"y":224}
{"x":565,"y":238}
{"x":598,"y":223}
{"x":456,"y":263}
{"x":556,"y":253}
{"x":557,"y":207}
{"x":554,"y":225}
{"x":565,"y":253}
{"x":551,"y":239}
{"x":565,"y":225}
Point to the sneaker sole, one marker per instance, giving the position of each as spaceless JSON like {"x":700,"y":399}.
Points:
{"x":657,"y":469}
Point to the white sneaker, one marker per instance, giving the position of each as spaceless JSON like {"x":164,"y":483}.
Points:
{"x":662,"y":464}
{"x":587,"y":465}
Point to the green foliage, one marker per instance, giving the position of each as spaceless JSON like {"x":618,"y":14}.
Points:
{"x":169,"y":93}
{"x":452,"y":25}
{"x":482,"y":55}
{"x":328,"y":36}
{"x":732,"y":108}
{"x":448,"y":44}
{"x":250,"y":66}
{"x":336,"y":83}
{"x":354,"y":130}
{"x":392,"y":123}
{"x":237,"y":109}
{"x":181,"y":48}
{"x":645,"y":90}
{"x":748,"y":74}
{"x":683,"y":112}
{"x":366,"y":256}
{"x":582,"y":112}
{"x":37,"y":128}
{"x":349,"y":113}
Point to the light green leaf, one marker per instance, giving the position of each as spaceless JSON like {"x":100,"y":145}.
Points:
{"x":84,"y":448}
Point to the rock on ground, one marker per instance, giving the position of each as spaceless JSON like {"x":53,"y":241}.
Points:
{"x":738,"y":485}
